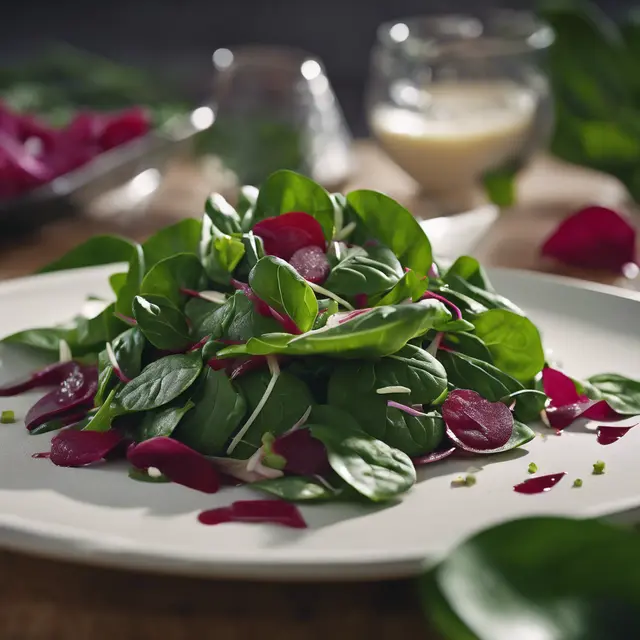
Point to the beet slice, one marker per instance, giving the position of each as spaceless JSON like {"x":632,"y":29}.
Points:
{"x":124,"y":127}
{"x":179,"y":463}
{"x":259,"y":511}
{"x":284,"y":235}
{"x":434,"y":456}
{"x":474,"y":423}
{"x":78,"y":389}
{"x":73,"y":448}
{"x":593,"y":238}
{"x":304,"y":455}
{"x":51,"y":375}
{"x":560,"y":388}
{"x":312,"y":264}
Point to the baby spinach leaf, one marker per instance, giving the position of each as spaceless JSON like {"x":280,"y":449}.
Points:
{"x":162,"y":324}
{"x":107,"y":379}
{"x":621,"y":393}
{"x":132,"y":282}
{"x":500,"y":186}
{"x":468,"y":306}
{"x":167,"y":277}
{"x":128,"y":348}
{"x":181,"y":237}
{"x":332,"y":416}
{"x":46,"y":339}
{"x":253,"y":251}
{"x":94,"y":332}
{"x":106,"y":414}
{"x":286,"y":191}
{"x":370,"y":466}
{"x":296,"y":489}
{"x":219,"y":410}
{"x":95,"y":251}
{"x":162,"y":422}
{"x":281,"y":287}
{"x":160,"y":382}
{"x":117,"y":281}
{"x":198,"y":309}
{"x":395,"y":227}
{"x":222,"y":214}
{"x":370,"y":274}
{"x":514,"y":342}
{"x":409,"y":287}
{"x":488,"y":299}
{"x":469,"y":344}
{"x":326,"y":308}
{"x":247,"y":199}
{"x":287,"y":403}
{"x":468,"y":269}
{"x":224,"y":256}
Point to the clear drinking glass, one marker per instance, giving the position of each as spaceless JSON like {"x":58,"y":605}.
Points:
{"x":275,"y":109}
{"x":454,"y":97}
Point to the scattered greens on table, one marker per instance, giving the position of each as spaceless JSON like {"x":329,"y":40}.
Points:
{"x":302,"y":341}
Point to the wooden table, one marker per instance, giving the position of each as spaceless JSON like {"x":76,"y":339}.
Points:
{"x":43,"y":599}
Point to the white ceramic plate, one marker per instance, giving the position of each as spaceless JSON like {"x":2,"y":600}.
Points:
{"x":99,"y":515}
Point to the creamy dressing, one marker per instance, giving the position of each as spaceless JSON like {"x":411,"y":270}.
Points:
{"x":456,"y":131}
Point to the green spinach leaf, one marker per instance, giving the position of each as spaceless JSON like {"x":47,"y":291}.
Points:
{"x":621,"y":393}
{"x":222,"y":214}
{"x":162,"y":422}
{"x":409,"y":287}
{"x":296,"y":489}
{"x":181,"y":237}
{"x":170,"y":275}
{"x":162,"y":324}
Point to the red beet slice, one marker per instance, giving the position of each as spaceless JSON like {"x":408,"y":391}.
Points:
{"x":609,"y":435}
{"x":361,"y":300}
{"x":593,"y":238}
{"x":539,"y":484}
{"x":476,"y":424}
{"x":124,"y":127}
{"x":73,"y":448}
{"x":305,"y":455}
{"x":260,"y":511}
{"x":179,"y":463}
{"x":560,"y":388}
{"x":284,"y":235}
{"x":51,"y":375}
{"x":312,"y":264}
{"x":434,"y":456}
{"x":78,"y":389}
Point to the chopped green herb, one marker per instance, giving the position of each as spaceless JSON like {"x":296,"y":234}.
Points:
{"x":533,"y":467}
{"x":577,"y":483}
{"x":144,"y":476}
{"x":7,"y":417}
{"x":470,"y":480}
{"x":458,"y":482}
{"x":598,"y":468}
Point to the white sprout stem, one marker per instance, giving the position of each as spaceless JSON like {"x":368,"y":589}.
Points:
{"x":275,"y":374}
{"x":255,"y":459}
{"x":345,"y":232}
{"x":153,"y":472}
{"x":325,"y":292}
{"x":325,"y":483}
{"x":301,"y":422}
{"x":213,"y":296}
{"x":336,"y":247}
{"x":65,"y":354}
{"x":338,"y":218}
{"x":393,"y":389}
{"x":432,"y":349}
{"x":112,"y":356}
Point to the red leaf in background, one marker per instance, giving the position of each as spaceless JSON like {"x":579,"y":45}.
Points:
{"x":179,"y":463}
{"x":123,"y":127}
{"x":311,"y":263}
{"x":74,"y":448}
{"x":260,"y":511}
{"x":475,"y":423}
{"x":593,"y":238}
{"x":284,"y":235}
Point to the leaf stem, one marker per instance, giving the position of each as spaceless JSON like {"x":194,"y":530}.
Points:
{"x":325,"y":292}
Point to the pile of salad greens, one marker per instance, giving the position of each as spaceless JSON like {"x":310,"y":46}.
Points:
{"x":301,"y":341}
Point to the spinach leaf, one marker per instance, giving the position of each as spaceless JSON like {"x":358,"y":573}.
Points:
{"x":409,"y":287}
{"x":253,"y":251}
{"x":181,"y":237}
{"x":287,"y":403}
{"x":170,"y":275}
{"x":162,"y":422}
{"x":223,"y":256}
{"x":162,"y":324}
{"x":332,"y":416}
{"x":285,"y":191}
{"x":468,"y":269}
{"x":219,"y":410}
{"x":198,"y":310}
{"x":326,"y":308}
{"x":132,"y":281}
{"x":488,"y":299}
{"x":469,"y":344}
{"x":621,"y":393}
{"x":281,"y":287}
{"x":160,"y":382}
{"x":94,"y":332}
{"x":296,"y":489}
{"x":107,"y":379}
{"x":370,"y":274}
{"x":589,"y":600}
{"x":106,"y":414}
{"x":371,"y":467}
{"x":376,"y":333}
{"x":46,"y":339}
{"x":128,"y":348}
{"x":395,"y":227}
{"x":117,"y":281}
{"x":468,"y":306}
{"x":222,"y":214}
{"x":500,"y":185}
{"x":247,"y":199}
{"x":514,"y":342}
{"x":95,"y":251}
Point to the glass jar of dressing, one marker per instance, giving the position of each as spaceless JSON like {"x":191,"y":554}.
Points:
{"x":455,"y":98}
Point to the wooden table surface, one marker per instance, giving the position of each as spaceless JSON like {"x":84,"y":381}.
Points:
{"x":50,"y":599}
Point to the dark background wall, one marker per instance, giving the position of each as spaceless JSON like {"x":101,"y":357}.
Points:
{"x":177,"y":37}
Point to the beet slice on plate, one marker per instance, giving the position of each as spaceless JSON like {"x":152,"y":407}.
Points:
{"x":265,"y":511}
{"x":74,"y":448}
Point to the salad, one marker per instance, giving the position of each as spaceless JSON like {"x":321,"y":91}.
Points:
{"x":302,"y":342}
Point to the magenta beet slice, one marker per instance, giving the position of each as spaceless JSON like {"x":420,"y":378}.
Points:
{"x":73,"y":448}
{"x":284,"y":235}
{"x":78,"y":389}
{"x":51,"y":375}
{"x":259,"y":511}
{"x":474,"y":423}
{"x":593,"y":238}
{"x":560,"y":388}
{"x":434,"y":456}
{"x":123,"y":127}
{"x":609,"y":435}
{"x":305,"y":455}
{"x":179,"y":463}
{"x":539,"y":484}
{"x":312,"y":264}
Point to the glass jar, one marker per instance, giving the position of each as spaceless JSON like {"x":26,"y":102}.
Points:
{"x":456,"y":98}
